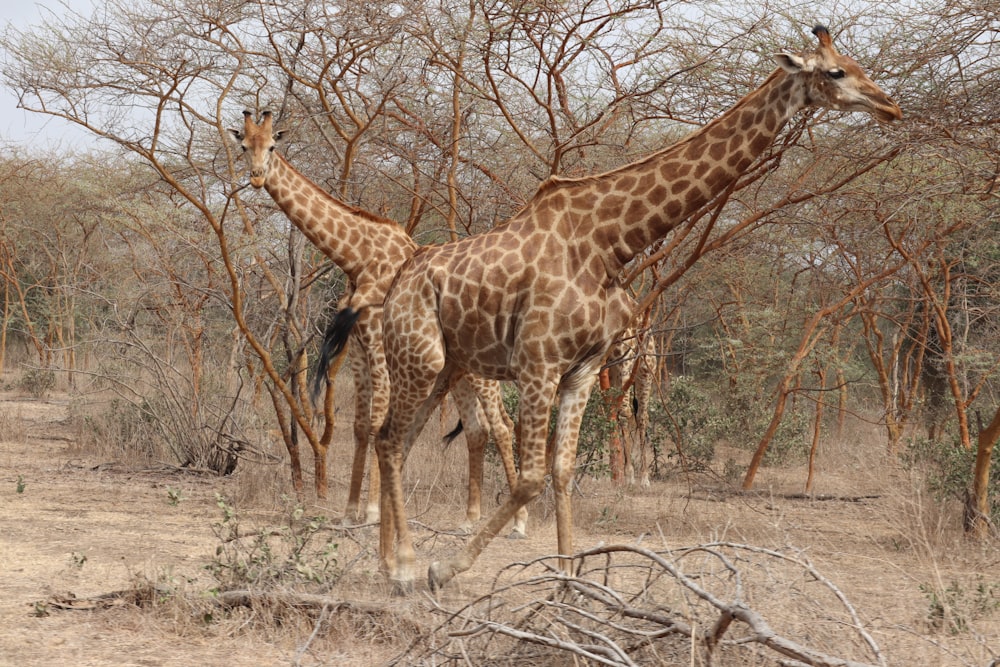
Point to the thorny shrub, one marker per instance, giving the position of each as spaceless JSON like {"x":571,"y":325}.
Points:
{"x":298,"y":552}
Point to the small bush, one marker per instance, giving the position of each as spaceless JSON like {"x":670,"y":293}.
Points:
{"x":690,"y":419}
{"x":158,"y":427}
{"x":37,"y":382}
{"x":596,"y":431}
{"x":125,"y":429}
{"x":949,"y":469}
{"x":596,"y":428}
{"x":698,"y":415}
{"x":747,"y":410}
{"x":300,"y":551}
{"x":954,"y":608}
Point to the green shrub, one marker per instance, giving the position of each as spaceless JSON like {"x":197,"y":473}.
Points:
{"x":954,"y":608}
{"x":37,"y":382}
{"x":689,"y":419}
{"x":596,"y":428}
{"x":748,"y":407}
{"x":299,"y":551}
{"x":949,"y":468}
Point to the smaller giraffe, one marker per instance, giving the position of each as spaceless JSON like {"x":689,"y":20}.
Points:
{"x":369,"y":249}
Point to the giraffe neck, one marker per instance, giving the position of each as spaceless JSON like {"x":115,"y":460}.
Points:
{"x":640,"y":203}
{"x":353,"y":239}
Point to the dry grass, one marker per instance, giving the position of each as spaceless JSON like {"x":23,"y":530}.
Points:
{"x":875,"y":536}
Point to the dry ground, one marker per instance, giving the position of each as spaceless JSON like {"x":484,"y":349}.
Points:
{"x":78,"y":523}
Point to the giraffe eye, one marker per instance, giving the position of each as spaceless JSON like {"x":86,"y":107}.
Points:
{"x":836,"y":74}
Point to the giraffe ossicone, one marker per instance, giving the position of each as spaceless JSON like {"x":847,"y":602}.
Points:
{"x":537,"y":300}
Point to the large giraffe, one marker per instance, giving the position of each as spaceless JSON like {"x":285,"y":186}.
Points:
{"x":370,"y":249}
{"x":537,"y":300}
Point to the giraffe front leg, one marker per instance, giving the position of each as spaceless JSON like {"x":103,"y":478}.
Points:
{"x":503,"y":434}
{"x":520,"y":531}
{"x":379,"y":407}
{"x":372,"y":508}
{"x":502,"y":428}
{"x":643,"y":390}
{"x":386,"y":528}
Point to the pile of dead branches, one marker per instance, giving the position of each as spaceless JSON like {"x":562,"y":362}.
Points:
{"x":714,"y":604}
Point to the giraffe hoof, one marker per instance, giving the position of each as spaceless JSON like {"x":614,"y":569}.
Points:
{"x":401,"y":588}
{"x":517,"y":534}
{"x":438,"y":575}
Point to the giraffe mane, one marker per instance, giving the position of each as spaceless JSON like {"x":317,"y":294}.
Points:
{"x":554,"y":182}
{"x":324,"y":194}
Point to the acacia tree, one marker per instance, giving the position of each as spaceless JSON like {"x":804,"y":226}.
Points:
{"x":954,"y":144}
{"x":165,"y":77}
{"x":446,"y":115}
{"x":49,"y":219}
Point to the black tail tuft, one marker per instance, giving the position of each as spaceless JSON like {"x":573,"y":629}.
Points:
{"x":334,"y":341}
{"x":453,"y":433}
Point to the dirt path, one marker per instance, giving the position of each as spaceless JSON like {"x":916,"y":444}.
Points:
{"x":71,"y":525}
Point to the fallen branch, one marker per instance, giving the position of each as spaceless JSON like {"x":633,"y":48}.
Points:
{"x":830,"y":497}
{"x":247,"y":598}
{"x":627,"y":605}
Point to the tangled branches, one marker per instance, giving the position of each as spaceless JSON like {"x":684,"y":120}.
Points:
{"x":713,"y":604}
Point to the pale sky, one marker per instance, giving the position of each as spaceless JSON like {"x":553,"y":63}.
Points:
{"x":21,"y":127}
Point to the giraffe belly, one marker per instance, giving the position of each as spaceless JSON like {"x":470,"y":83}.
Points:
{"x":545,"y":334}
{"x":492,"y":333}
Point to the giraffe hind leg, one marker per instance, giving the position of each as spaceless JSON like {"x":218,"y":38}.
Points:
{"x":534,"y":421}
{"x":419,"y":383}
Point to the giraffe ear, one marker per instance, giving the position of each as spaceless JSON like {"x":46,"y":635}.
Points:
{"x":792,"y":63}
{"x":236,"y":136}
{"x":280,"y":136}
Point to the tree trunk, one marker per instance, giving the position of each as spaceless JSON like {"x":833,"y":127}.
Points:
{"x":772,"y":428}
{"x":817,"y":428}
{"x":978,"y":510}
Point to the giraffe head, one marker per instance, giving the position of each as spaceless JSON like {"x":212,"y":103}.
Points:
{"x":836,"y":82}
{"x":257,"y":142}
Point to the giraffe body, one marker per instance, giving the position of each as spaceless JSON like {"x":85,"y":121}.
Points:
{"x":537,"y":300}
{"x":370,"y":250}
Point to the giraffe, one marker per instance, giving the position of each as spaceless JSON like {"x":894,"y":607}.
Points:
{"x":370,"y":249}
{"x":537,"y":300}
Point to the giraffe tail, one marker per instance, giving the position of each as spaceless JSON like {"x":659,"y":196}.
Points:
{"x":453,"y":433}
{"x":334,"y":342}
